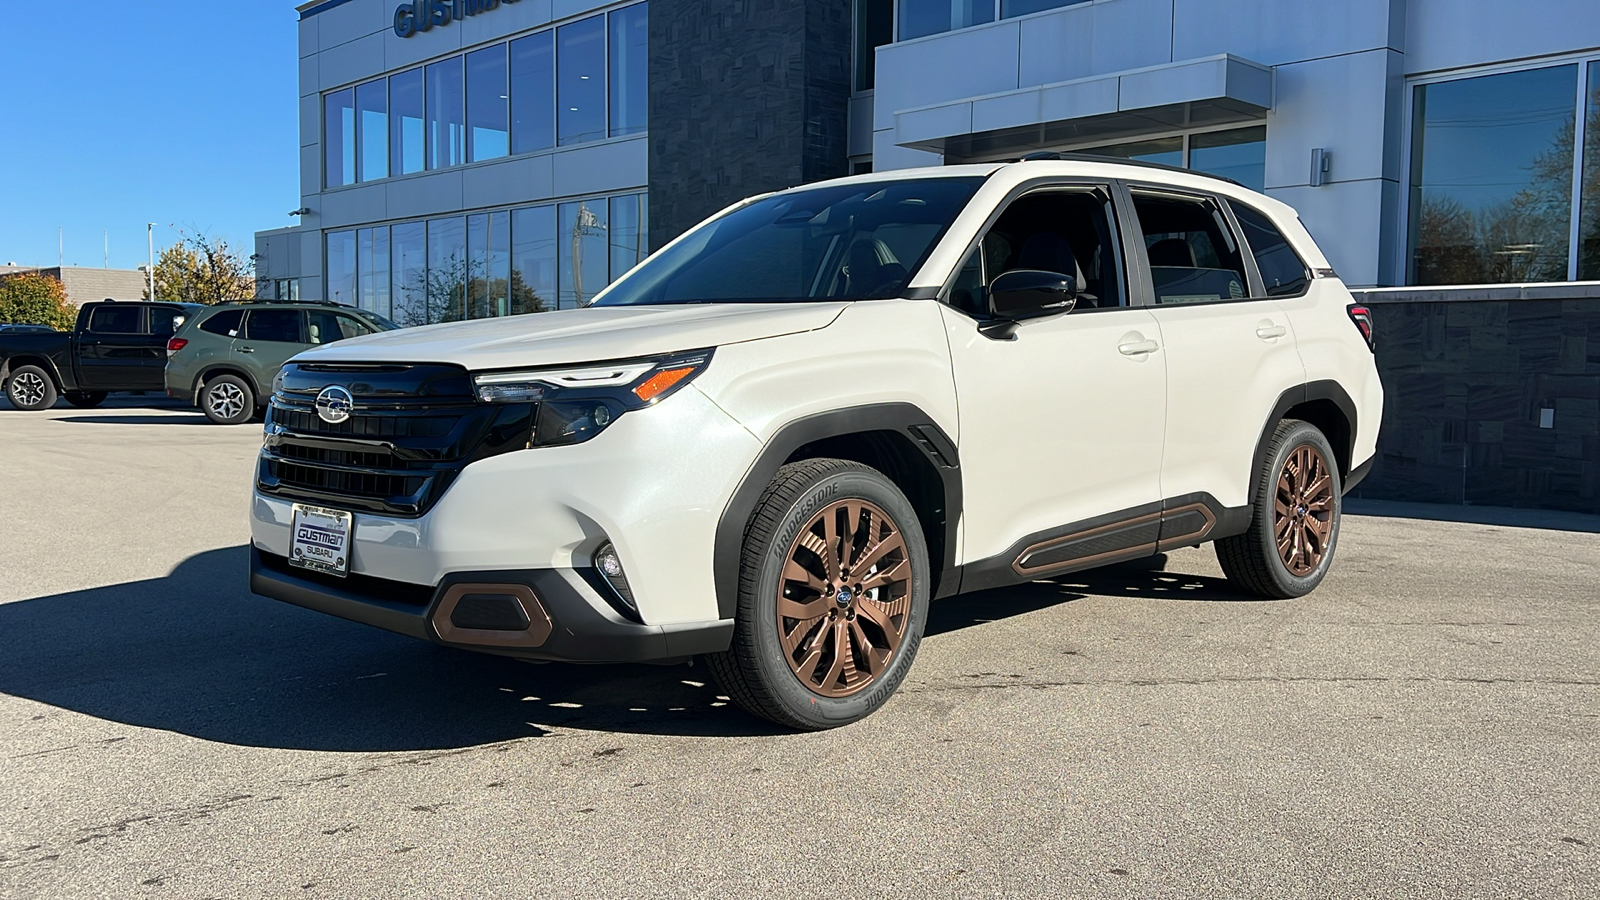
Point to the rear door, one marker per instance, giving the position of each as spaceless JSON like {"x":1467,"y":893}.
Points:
{"x":1230,"y":348}
{"x":110,"y":354}
{"x":270,"y":337}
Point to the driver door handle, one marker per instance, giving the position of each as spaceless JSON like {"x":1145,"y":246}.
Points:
{"x":1138,"y":348}
{"x":247,"y":349}
{"x":1268,"y":331}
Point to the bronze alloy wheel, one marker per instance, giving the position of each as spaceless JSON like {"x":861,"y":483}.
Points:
{"x":844,"y":598}
{"x":1303,"y":511}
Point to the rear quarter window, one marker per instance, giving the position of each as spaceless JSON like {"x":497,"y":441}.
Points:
{"x":1283,"y":272}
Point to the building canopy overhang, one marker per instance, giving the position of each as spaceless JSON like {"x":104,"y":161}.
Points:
{"x":1195,"y":93}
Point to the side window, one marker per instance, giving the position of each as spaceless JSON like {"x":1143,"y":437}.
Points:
{"x":164,"y":320}
{"x":274,"y":325}
{"x":325,"y":327}
{"x":1194,"y":256}
{"x":224,"y":323}
{"x":1283,"y":272}
{"x":110,"y":319}
{"x":1068,"y":231}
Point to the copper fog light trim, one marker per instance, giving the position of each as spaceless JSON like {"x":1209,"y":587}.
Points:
{"x":1302,"y":511}
{"x":537,"y":632}
{"x":844,"y":598}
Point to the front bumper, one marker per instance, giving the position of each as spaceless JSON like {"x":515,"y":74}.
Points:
{"x":576,"y":625}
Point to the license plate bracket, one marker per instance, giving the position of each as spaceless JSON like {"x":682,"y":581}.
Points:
{"x":319,"y":539}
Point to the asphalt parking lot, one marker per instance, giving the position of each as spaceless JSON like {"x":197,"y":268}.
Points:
{"x":1425,"y":725}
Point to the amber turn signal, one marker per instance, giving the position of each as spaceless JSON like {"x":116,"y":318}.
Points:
{"x":661,"y":382}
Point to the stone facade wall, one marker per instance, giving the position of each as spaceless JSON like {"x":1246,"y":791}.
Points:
{"x":1492,"y":396}
{"x":729,"y":84}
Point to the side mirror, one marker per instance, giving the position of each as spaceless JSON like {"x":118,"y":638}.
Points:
{"x":1030,"y":293}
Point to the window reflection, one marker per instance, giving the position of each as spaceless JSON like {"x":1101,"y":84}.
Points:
{"x":488,"y":131}
{"x":409,"y":275}
{"x":406,"y":129}
{"x":340,"y":142}
{"x":630,"y":63}
{"x":447,"y":127}
{"x":584,"y":247}
{"x":372,"y":270}
{"x":1491,"y":178}
{"x":625,"y":234}
{"x":489,"y":265}
{"x":1240,"y":154}
{"x":924,"y":17}
{"x":1589,"y":215}
{"x":580,"y":81}
{"x":372,"y":118}
{"x":533,"y":260}
{"x":445,"y":290}
{"x":874,"y":28}
{"x":1166,"y":151}
{"x":342,"y":267}
{"x":533,"y":92}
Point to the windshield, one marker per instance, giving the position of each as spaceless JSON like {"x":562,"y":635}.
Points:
{"x":858,"y":241}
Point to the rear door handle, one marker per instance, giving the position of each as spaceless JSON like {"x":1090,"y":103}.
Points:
{"x":1138,"y":348}
{"x":1267,"y":331}
{"x":247,"y":349}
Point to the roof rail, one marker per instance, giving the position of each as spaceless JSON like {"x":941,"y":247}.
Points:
{"x":1065,"y":156}
{"x":284,"y":302}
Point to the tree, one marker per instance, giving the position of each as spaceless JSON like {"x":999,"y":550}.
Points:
{"x":33,"y":299}
{"x":202,"y":269}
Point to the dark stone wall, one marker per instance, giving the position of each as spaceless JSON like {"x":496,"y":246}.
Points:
{"x":746,"y":96}
{"x":1465,"y":383}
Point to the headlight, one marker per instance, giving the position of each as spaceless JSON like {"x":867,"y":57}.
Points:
{"x":576,"y":403}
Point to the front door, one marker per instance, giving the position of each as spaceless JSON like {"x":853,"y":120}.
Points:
{"x":113,"y":352}
{"x":1061,"y":424}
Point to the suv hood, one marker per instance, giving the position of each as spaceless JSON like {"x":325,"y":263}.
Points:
{"x":572,"y":336}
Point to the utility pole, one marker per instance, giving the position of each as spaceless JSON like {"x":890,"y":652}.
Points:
{"x":106,"y":234}
{"x":150,"y":270}
{"x":61,"y":247}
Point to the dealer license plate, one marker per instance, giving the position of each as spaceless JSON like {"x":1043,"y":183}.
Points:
{"x":321,"y":540}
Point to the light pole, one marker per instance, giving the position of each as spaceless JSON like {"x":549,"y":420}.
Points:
{"x":150,"y":234}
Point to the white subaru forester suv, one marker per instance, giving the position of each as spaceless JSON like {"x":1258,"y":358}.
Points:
{"x":776,"y":441}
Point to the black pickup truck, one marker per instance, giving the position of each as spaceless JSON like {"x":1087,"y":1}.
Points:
{"x":116,"y":346}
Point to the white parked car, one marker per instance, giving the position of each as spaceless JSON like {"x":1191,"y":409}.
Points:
{"x":776,"y":441}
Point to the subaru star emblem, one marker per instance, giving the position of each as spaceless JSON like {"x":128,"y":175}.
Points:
{"x":334,"y":404}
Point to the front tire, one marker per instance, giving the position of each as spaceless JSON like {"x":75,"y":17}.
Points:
{"x":1295,"y":527}
{"x":30,"y":389}
{"x":85,"y":399}
{"x":228,"y":400}
{"x":833,"y":597}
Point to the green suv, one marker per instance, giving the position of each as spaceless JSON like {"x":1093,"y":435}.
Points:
{"x":225,"y":357}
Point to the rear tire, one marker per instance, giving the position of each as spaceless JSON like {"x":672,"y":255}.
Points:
{"x":1295,"y":527}
{"x":833,"y":597}
{"x":30,"y":389}
{"x":85,"y":399}
{"x":228,"y":400}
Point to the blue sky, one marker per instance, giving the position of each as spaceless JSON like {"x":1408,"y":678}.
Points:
{"x":178,"y":112}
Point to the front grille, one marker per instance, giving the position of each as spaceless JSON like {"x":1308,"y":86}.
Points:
{"x":413,"y":429}
{"x":337,"y":481}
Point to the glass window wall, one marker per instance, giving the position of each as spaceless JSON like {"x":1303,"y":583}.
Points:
{"x":406,"y":128}
{"x":342,"y":267}
{"x":1166,"y":151}
{"x":874,"y":28}
{"x":1589,"y":194}
{"x":372,"y":270}
{"x":533,"y":93}
{"x":919,"y":18}
{"x":585,"y":252}
{"x":488,"y":125}
{"x":497,"y":263}
{"x":580,"y":81}
{"x":629,"y":70}
{"x":1012,"y":8}
{"x":447,"y":116}
{"x":372,"y":120}
{"x":533,"y":260}
{"x":409,"y":273}
{"x":339,"y":141}
{"x":1491,"y":178}
{"x":1240,"y":154}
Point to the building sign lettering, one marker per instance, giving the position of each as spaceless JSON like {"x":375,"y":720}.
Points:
{"x":423,"y":15}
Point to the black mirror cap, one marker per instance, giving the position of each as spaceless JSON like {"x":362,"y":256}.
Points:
{"x":1030,"y":293}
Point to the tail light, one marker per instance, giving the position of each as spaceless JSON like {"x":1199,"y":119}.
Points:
{"x":1363,"y":318}
{"x":176,"y":344}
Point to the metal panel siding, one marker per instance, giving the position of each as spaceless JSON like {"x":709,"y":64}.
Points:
{"x":355,"y":61}
{"x":1090,"y":97}
{"x":602,"y":167}
{"x":1129,"y":34}
{"x":354,"y":206}
{"x":1058,"y":47}
{"x":505,"y":19}
{"x":1346,"y":220}
{"x":435,"y":194}
{"x":526,"y":179}
{"x":933,"y":122}
{"x":1446,"y":34}
{"x":967,"y":63}
{"x":1338,"y":104}
{"x":1279,"y":31}
{"x":353,"y":20}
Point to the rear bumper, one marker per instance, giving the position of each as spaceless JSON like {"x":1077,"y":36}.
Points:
{"x":576,"y":625}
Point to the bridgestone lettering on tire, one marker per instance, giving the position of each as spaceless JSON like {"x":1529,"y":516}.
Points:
{"x":1295,"y":527}
{"x":833,"y":597}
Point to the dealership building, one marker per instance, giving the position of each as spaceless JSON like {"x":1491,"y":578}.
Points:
{"x":466,"y":158}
